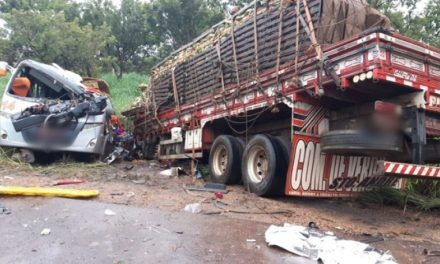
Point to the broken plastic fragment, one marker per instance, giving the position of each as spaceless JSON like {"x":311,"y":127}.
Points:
{"x":45,"y":232}
{"x":194,"y":208}
{"x":109,"y":212}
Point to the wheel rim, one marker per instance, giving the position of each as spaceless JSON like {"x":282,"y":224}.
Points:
{"x":257,"y":164}
{"x":220,"y":160}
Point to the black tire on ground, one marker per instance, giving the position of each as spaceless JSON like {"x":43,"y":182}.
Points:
{"x":361,"y":143}
{"x":264,"y":167}
{"x":225,"y":160}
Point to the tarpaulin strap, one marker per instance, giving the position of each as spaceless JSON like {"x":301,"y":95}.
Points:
{"x":257,"y":63}
{"x":311,"y":31}
{"x":297,"y":37}
{"x":234,"y":49}
{"x":219,"y":55}
{"x":176,"y":95}
{"x":280,"y":32}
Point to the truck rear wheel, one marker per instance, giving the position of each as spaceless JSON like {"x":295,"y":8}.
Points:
{"x":360,"y":143}
{"x":225,"y":160}
{"x":264,"y":167}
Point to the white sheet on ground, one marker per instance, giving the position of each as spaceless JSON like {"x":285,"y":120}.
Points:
{"x":316,"y":245}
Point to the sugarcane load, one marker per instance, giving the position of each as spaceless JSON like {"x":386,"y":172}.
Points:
{"x":303,"y":98}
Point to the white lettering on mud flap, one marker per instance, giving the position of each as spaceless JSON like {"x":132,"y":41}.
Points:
{"x":313,"y":173}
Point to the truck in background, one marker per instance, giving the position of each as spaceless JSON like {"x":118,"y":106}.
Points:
{"x":308,"y":98}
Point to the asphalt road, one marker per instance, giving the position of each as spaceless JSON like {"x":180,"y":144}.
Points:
{"x":80,"y":232}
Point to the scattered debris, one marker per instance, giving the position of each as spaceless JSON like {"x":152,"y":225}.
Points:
{"x":50,"y":192}
{"x":219,"y":205}
{"x":139,"y":181}
{"x":316,"y":245}
{"x":431,"y":252}
{"x":94,"y":244}
{"x":199,"y":174}
{"x":219,"y":195}
{"x":173,"y":171}
{"x":4,"y":210}
{"x":8,"y":178}
{"x":251,"y":240}
{"x":45,"y":232}
{"x":210,"y":187}
{"x":194,"y":208}
{"x":218,"y":186}
{"x":313,"y":225}
{"x":118,"y":153}
{"x":109,"y":212}
{"x":129,"y":167}
{"x":372,"y":239}
{"x":157,"y":228}
{"x":68,"y":181}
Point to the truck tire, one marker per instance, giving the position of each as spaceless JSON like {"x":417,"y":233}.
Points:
{"x":286,"y":146}
{"x":264,"y":167}
{"x":225,"y":160}
{"x":360,"y":143}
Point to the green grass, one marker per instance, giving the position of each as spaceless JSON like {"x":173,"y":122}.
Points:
{"x":125,"y":90}
{"x":422,"y":194}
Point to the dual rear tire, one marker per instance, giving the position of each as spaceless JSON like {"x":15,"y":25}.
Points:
{"x":225,"y":159}
{"x":261,"y":164}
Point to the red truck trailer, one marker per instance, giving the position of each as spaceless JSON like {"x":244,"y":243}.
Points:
{"x":304,"y":98}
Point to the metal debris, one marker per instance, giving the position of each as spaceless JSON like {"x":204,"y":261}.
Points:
{"x":194,"y":208}
{"x":109,"y":212}
{"x":45,"y":232}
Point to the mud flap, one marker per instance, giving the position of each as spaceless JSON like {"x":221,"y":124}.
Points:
{"x":314,"y":173}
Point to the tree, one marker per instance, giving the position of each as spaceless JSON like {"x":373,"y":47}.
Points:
{"x":432,"y":23}
{"x":180,"y":21}
{"x":70,"y":8}
{"x":48,"y":37}
{"x":132,"y":37}
{"x":422,"y":26}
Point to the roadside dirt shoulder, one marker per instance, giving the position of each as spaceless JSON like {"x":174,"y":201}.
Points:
{"x":139,"y":184}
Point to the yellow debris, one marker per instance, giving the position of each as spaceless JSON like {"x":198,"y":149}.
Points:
{"x":50,"y":192}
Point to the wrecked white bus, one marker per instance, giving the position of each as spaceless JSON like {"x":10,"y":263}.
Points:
{"x":46,"y":108}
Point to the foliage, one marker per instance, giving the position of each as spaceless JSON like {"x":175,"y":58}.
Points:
{"x":403,"y":198}
{"x":130,"y":28}
{"x":124,"y":90}
{"x":47,"y":36}
{"x":423,"y":25}
{"x":196,"y":15}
